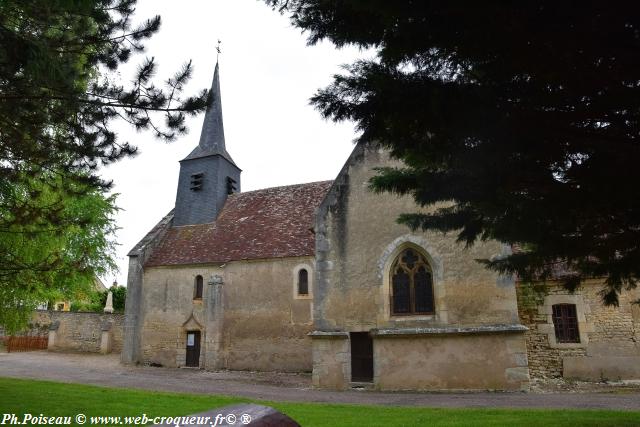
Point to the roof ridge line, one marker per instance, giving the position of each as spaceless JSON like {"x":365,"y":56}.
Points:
{"x":281,"y":186}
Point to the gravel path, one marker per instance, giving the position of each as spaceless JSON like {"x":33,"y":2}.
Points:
{"x":107,"y":371}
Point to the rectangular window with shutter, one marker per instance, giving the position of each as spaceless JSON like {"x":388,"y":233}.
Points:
{"x":565,"y":323}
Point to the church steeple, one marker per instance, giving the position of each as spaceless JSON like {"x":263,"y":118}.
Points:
{"x":212,"y":135}
{"x":208,"y":174}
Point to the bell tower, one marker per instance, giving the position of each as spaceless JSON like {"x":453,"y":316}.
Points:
{"x":208,"y":174}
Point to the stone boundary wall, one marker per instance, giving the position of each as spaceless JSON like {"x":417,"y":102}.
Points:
{"x":80,"y":331}
{"x":608,"y":335}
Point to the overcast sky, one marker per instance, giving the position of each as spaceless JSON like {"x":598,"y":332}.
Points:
{"x":267,"y":74}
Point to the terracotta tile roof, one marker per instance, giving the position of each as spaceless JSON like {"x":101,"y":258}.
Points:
{"x":269,"y":223}
{"x":154,"y":234}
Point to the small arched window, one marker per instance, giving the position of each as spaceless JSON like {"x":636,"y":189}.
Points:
{"x":411,"y":284}
{"x":197,"y":291}
{"x":303,"y":282}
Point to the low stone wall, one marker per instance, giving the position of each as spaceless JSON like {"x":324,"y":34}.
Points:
{"x":81,"y":332}
{"x":609,"y":346}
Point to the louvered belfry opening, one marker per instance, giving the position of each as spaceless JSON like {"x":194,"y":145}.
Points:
{"x":196,"y":181}
{"x":411,"y":284}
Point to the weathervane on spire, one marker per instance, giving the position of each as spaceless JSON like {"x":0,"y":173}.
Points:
{"x":218,"y":50}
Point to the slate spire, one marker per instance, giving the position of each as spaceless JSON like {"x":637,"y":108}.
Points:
{"x":208,"y":174}
{"x":212,"y":135}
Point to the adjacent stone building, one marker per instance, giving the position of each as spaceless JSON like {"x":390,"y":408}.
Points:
{"x":575,"y":336}
{"x":320,"y":277}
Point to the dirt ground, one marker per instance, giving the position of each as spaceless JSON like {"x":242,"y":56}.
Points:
{"x":107,"y":371}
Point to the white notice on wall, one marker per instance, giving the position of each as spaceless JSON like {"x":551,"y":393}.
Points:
{"x":191,"y":339}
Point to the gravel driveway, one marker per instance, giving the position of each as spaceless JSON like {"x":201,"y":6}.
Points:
{"x":107,"y":371}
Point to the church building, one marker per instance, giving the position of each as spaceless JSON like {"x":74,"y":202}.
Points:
{"x":320,"y":278}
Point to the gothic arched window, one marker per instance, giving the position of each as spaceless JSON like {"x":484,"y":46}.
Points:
{"x":411,"y":284}
{"x":303,"y":282}
{"x":197,"y":291}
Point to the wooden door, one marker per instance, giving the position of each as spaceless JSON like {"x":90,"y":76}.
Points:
{"x":361,"y":357}
{"x":193,"y":348}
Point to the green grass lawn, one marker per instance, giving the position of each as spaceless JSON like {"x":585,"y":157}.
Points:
{"x":59,"y":399}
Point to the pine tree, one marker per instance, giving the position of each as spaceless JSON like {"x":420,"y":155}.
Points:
{"x":57,"y":96}
{"x":59,"y":99}
{"x":524,"y":116}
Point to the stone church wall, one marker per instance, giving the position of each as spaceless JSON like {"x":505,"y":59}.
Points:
{"x":357,"y":240}
{"x":265,"y":325}
{"x":360,"y":238}
{"x":609,"y":345}
{"x":456,"y":362}
{"x":257,"y":324}
{"x":168,"y":304}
